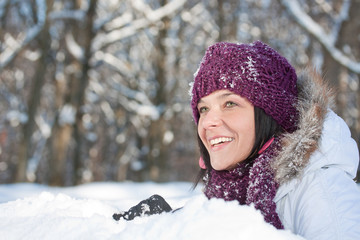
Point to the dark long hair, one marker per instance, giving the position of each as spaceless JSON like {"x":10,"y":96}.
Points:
{"x":265,"y":128}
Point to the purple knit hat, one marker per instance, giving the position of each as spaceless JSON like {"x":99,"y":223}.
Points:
{"x":254,"y":71}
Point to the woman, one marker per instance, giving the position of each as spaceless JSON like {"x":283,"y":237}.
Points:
{"x":268,"y":138}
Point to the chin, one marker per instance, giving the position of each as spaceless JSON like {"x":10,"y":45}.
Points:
{"x":222,"y":167}
{"x":219,"y":168}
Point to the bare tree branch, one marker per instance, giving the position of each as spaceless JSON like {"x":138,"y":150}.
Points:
{"x":114,"y":62}
{"x":116,"y":23}
{"x":343,"y":15}
{"x":78,"y":15}
{"x":104,"y":40}
{"x":14,"y":46}
{"x":318,"y":32}
{"x":74,"y":48}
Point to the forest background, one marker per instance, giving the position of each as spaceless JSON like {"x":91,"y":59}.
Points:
{"x":96,"y":90}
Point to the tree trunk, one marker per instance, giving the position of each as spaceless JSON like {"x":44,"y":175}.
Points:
{"x":350,"y":29}
{"x":79,"y":97}
{"x":340,"y":77}
{"x":158,"y":153}
{"x":34,"y":100}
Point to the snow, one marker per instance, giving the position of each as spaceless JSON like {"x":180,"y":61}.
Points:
{"x":31,"y":211}
{"x":67,"y":115}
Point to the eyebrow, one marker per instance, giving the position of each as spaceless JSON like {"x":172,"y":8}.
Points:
{"x":222,"y":96}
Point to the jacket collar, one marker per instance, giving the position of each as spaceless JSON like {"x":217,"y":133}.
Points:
{"x":314,"y":101}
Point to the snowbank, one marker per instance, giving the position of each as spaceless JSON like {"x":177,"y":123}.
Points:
{"x":85,"y":212}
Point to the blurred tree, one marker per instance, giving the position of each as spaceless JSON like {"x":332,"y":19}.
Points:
{"x":43,"y":64}
{"x":335,"y":25}
{"x":98,"y":90}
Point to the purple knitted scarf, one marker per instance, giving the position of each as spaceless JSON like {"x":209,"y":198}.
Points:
{"x":249,"y":183}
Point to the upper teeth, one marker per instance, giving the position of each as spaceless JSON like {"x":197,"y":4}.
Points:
{"x":221,"y":139}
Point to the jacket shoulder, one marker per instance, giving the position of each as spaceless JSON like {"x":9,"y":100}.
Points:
{"x":323,"y":205}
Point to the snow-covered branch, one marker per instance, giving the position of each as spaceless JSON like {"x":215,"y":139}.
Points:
{"x":151,"y":17}
{"x":155,"y":15}
{"x":343,"y":15}
{"x":326,"y":40}
{"x":74,"y":48}
{"x":116,"y":23}
{"x":13,"y":46}
{"x":114,"y":62}
{"x":2,"y":7}
{"x":131,"y":94}
{"x":136,"y":102}
{"x":78,"y":15}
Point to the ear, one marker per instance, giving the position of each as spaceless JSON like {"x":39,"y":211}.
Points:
{"x":201,"y":163}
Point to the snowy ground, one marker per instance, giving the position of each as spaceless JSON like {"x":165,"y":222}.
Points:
{"x":30,"y":211}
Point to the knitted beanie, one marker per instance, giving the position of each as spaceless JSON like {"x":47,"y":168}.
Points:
{"x":254,"y":71}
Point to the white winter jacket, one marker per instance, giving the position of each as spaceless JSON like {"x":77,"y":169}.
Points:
{"x":317,"y":197}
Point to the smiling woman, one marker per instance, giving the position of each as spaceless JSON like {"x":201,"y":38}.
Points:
{"x":268,"y":138}
{"x":226,"y":128}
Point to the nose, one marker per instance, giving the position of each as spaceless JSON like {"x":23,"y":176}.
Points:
{"x":211,"y":119}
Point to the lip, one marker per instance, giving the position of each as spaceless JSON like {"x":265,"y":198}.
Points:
{"x":220,"y":146}
{"x":217,"y":136}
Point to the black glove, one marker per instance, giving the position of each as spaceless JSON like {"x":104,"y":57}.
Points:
{"x":153,"y":205}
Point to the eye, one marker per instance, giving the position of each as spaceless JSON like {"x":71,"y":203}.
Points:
{"x":202,"y":109}
{"x":230,"y":104}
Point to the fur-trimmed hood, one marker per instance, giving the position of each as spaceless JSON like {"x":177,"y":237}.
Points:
{"x":319,"y":130}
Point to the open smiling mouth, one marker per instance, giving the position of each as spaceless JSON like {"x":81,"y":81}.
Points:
{"x":221,"y":140}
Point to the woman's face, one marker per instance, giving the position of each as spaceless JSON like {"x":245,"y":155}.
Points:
{"x":226,"y":127}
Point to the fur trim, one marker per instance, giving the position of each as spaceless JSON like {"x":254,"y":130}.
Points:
{"x":315,"y":99}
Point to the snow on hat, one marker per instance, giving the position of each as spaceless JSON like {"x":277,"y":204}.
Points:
{"x":254,"y":71}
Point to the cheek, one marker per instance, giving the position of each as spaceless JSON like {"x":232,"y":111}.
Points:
{"x":245,"y":127}
{"x":201,"y":132}
{"x":248,"y":126}
{"x":250,"y":133}
{"x":202,"y":135}
{"x":251,"y":137}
